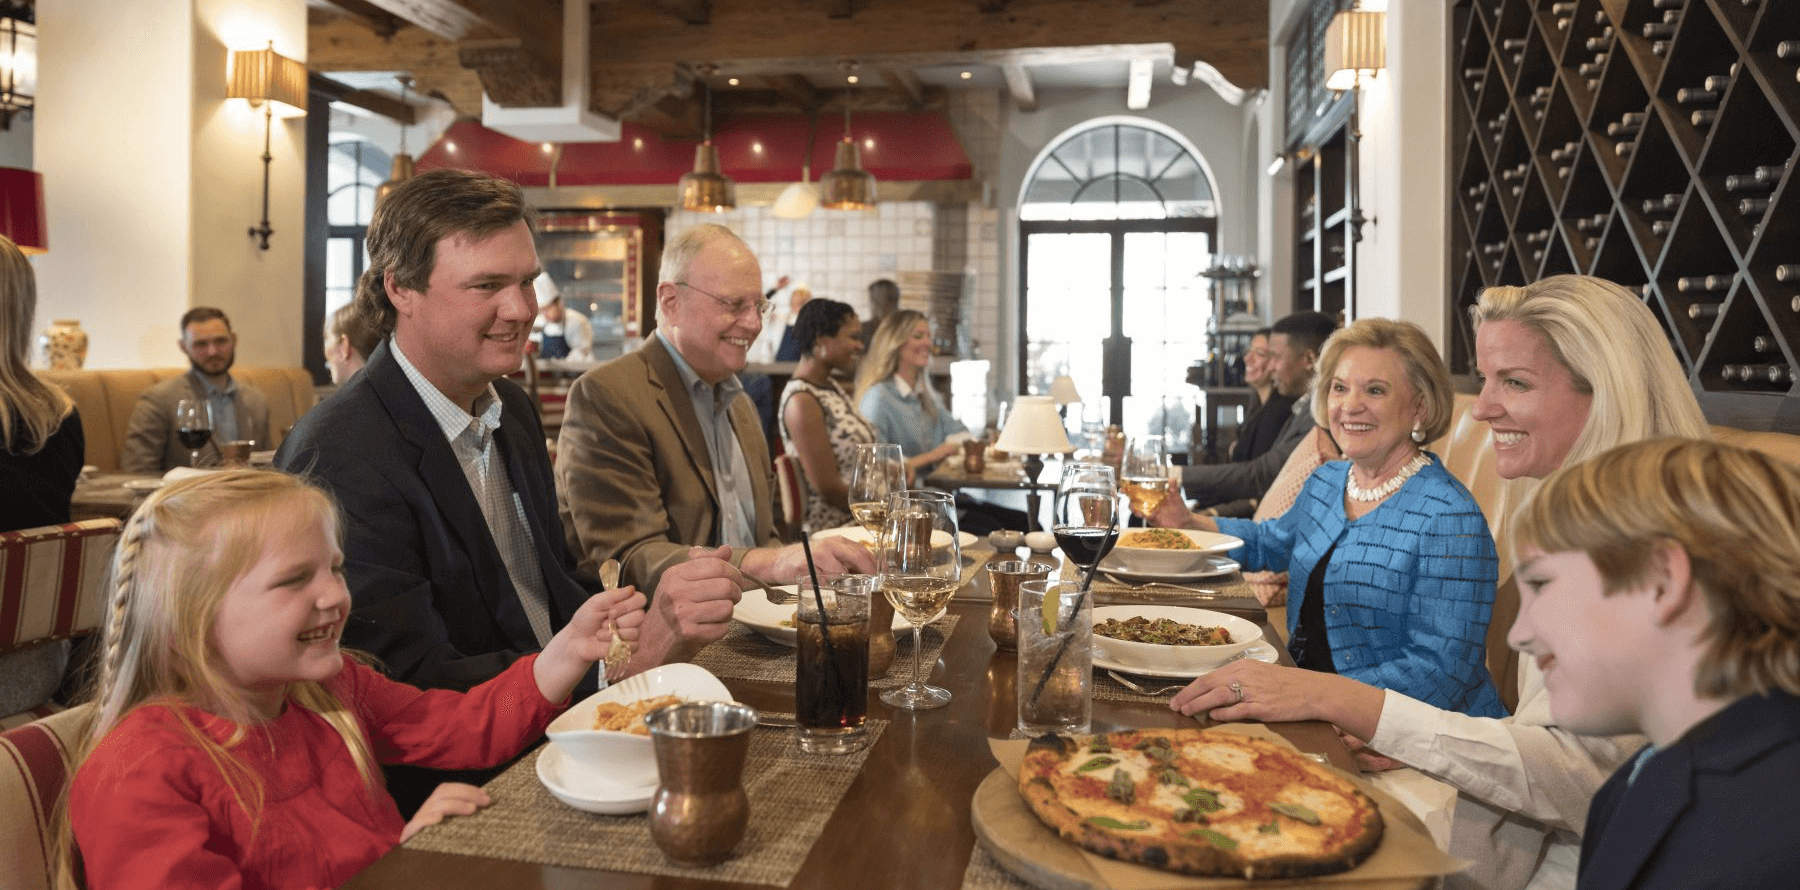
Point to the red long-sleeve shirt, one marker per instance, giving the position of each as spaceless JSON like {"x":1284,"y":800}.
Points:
{"x":150,"y":809}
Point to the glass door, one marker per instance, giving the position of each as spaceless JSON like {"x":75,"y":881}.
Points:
{"x":1119,"y":306}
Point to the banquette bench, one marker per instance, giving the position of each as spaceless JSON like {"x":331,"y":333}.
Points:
{"x":105,"y":400}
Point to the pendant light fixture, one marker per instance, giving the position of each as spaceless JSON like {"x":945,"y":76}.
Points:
{"x":799,"y":200}
{"x":402,"y":170}
{"x":848,"y":186}
{"x":706,"y":189}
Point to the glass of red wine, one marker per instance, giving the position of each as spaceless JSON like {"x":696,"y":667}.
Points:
{"x":193,"y":426}
{"x":1088,"y":507}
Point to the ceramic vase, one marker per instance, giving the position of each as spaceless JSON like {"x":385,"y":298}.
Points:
{"x":64,"y":344}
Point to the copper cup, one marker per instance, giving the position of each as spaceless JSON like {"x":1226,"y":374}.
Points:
{"x":700,"y":809}
{"x":235,"y":453}
{"x":974,"y":456}
{"x":1004,"y":578}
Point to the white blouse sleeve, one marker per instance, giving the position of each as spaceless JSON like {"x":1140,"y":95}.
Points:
{"x":1521,"y":764}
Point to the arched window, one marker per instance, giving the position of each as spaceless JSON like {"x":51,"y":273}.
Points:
{"x":353,"y":169}
{"x":1118,"y":217}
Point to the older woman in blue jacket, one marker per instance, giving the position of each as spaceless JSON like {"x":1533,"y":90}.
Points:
{"x":1391,"y":567}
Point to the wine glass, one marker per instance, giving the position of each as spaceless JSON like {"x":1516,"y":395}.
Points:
{"x":1146,"y":474}
{"x":1086,"y":518}
{"x":921,"y":567}
{"x":876,"y":471}
{"x":193,"y":426}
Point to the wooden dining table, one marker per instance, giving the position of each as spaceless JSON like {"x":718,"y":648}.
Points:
{"x":905,"y":819}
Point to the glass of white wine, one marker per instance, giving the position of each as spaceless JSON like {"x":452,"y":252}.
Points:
{"x":876,"y":471}
{"x":1146,"y":474}
{"x":921,"y":567}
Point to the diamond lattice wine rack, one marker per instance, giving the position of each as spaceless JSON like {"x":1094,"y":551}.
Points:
{"x":1650,"y":142}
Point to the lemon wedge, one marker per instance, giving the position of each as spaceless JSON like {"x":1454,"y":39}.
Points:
{"x":1051,"y":604}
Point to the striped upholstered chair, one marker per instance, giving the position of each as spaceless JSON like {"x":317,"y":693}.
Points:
{"x":51,"y":581}
{"x":34,"y":768}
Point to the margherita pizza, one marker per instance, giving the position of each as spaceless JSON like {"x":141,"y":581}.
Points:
{"x":1200,"y":802}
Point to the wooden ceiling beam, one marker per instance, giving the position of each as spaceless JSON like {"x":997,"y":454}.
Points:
{"x":362,"y":12}
{"x":795,"y":89}
{"x":690,"y":12}
{"x":367,"y":100}
{"x":514,"y":47}
{"x":1231,"y":35}
{"x":1018,"y":84}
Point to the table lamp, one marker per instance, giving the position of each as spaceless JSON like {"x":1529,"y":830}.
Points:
{"x":1033,"y":428}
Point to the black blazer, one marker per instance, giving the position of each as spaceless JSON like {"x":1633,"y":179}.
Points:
{"x":1718,"y":809}
{"x":430,"y":594}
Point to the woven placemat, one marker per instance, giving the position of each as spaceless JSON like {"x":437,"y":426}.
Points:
{"x":985,"y":873}
{"x":744,"y":654}
{"x":792,"y":794}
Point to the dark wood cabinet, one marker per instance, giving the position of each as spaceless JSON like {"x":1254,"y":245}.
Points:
{"x":1319,"y":123}
{"x":1649,"y":142}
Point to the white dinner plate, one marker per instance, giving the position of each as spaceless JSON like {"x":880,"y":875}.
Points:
{"x":1214,"y":566}
{"x":861,"y":536}
{"x":141,"y":484}
{"x":588,"y":792}
{"x":766,"y":618}
{"x":1261,"y":651}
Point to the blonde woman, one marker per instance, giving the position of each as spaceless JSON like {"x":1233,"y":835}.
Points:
{"x":234,"y":742}
{"x":895,"y":394}
{"x":41,"y":443}
{"x":1660,"y":594}
{"x":1570,"y":366}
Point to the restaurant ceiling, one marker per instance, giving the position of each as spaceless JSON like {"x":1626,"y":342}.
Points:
{"x":646,"y":57}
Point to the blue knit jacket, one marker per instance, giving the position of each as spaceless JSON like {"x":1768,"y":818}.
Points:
{"x":1409,"y":590}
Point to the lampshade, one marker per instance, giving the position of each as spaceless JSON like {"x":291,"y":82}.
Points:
{"x":797,"y":201}
{"x":264,"y":75}
{"x":1033,"y":427}
{"x":18,"y":65}
{"x":848,"y":186}
{"x":1062,"y":390}
{"x":706,"y":188}
{"x":22,"y":209}
{"x":1355,"y":47}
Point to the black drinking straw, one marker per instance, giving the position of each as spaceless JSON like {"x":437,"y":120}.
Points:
{"x":812,"y":571}
{"x":1087,"y":580}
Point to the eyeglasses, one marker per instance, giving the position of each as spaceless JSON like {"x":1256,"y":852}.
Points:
{"x":735,"y":308}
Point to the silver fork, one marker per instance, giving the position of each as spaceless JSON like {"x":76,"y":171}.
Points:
{"x":1166,"y":690}
{"x":1146,"y":585}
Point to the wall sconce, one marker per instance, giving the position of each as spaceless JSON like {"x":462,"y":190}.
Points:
{"x":1355,"y":48}
{"x":18,"y":60}
{"x":266,"y":77}
{"x":22,"y":209}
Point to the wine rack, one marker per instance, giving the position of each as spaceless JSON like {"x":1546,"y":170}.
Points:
{"x":1649,"y":142}
{"x":1318,"y":125}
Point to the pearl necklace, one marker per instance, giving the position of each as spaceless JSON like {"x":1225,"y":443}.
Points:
{"x":1365,"y":495}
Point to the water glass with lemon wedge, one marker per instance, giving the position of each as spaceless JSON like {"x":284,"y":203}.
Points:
{"x":1056,"y":665}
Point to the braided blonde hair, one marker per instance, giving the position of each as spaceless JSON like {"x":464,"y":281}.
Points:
{"x":178,"y":556}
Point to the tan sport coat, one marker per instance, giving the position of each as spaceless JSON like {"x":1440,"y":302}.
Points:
{"x":634,"y":479}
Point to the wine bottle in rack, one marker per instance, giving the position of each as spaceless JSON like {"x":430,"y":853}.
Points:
{"x":1663,"y":206}
{"x":1788,"y":49}
{"x":1731,"y":372}
{"x":1764,"y":343}
{"x":1703,"y":118}
{"x":1772,"y":173}
{"x":1601,"y":44}
{"x":1659,"y":31}
{"x":1627,"y":126}
{"x":1699,"y":284}
{"x":1753,"y":208}
{"x":1697,"y":95}
{"x":1673,"y":6}
{"x":1565,"y":152}
{"x":1564,"y":12}
{"x":1703,"y":311}
{"x":1788,"y":275}
{"x":1748,"y":182}
{"x":1661,"y":227}
{"x":1590,"y":223}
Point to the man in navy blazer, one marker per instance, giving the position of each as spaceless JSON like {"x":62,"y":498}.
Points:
{"x":453,"y":552}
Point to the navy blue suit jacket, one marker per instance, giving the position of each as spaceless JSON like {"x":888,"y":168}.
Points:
{"x":1718,"y":809}
{"x":430,"y":594}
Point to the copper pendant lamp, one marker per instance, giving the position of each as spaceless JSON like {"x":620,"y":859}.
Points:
{"x":848,"y":186}
{"x":402,"y":170}
{"x":706,"y":189}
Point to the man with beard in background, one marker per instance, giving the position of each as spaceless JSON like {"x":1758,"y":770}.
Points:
{"x":239,"y":411}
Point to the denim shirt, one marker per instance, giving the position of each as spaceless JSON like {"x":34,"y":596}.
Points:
{"x":897,"y":411}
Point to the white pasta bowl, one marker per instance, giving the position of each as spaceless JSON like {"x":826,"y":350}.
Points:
{"x":1172,"y":659}
{"x":1127,"y":556}
{"x":624,"y":758}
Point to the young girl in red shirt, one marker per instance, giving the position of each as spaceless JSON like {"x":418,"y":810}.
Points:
{"x":234,"y":744}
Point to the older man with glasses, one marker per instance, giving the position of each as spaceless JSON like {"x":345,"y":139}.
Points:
{"x":661,"y":451}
